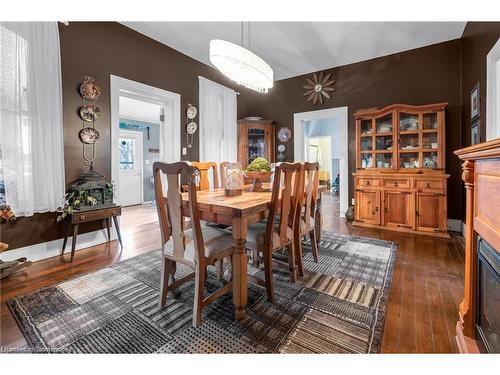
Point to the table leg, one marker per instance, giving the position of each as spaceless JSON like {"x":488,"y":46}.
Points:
{"x":318,"y":220}
{"x":239,"y":267}
{"x":66,"y":232}
{"x":73,"y":245}
{"x":117,"y":226}
{"x":108,"y":223}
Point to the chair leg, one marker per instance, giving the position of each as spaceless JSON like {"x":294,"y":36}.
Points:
{"x":220,"y":266}
{"x":165,"y":277}
{"x":255,"y":256}
{"x":299,"y":256}
{"x":199,"y":287}
{"x":268,"y":273}
{"x":314,"y":245}
{"x":291,"y":262}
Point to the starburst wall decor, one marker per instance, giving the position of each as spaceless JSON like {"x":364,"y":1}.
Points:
{"x":317,"y":89}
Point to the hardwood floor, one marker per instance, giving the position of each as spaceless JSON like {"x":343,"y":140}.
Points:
{"x":426,"y":289}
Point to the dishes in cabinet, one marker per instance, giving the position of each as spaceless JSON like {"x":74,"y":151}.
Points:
{"x":408,"y":124}
{"x":384,"y":127}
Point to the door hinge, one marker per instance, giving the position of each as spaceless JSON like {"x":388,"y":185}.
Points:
{"x":417,"y":213}
{"x":162,"y":115}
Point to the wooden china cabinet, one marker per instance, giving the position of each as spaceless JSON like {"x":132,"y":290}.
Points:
{"x":255,"y":139}
{"x":400,"y":183}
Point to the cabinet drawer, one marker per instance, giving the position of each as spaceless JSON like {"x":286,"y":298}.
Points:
{"x":397,"y":183}
{"x":81,"y":217}
{"x":368,"y":182}
{"x":424,"y":185}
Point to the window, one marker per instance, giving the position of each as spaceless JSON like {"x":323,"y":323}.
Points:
{"x":127,"y":153}
{"x":31,"y":143}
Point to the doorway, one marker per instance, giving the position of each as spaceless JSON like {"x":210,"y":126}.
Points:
{"x":131,"y":167}
{"x":326,"y":128}
{"x":145,"y":128}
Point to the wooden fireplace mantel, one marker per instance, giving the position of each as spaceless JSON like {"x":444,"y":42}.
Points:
{"x":481,"y":175}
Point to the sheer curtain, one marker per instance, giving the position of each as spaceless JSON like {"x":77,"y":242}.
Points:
{"x":31,"y":131}
{"x":218,"y":125}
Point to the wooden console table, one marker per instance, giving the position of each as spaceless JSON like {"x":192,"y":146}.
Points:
{"x":481,"y":175}
{"x":84,"y":216}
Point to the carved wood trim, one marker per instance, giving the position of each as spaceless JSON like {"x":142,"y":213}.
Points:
{"x":467,"y":306}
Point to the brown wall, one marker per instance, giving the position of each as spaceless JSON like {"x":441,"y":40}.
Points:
{"x":420,"y":76}
{"x":477,"y":40}
{"x":100,"y":49}
{"x":425,"y":75}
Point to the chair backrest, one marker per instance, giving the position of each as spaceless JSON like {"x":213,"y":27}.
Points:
{"x":204,"y":168}
{"x":169,"y":208}
{"x":284,"y":200}
{"x":309,"y":192}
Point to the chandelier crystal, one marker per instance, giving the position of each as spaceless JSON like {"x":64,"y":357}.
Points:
{"x":241,"y":65}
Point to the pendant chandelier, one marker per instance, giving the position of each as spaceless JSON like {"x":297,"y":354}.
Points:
{"x":241,"y":65}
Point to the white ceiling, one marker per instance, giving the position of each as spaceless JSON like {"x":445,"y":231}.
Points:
{"x":295,"y":48}
{"x":133,"y":109}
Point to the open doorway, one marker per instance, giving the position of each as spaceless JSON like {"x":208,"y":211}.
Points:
{"x":321,"y":136}
{"x":145,"y":129}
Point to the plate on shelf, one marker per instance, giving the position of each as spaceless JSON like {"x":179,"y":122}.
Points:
{"x":385,"y":127}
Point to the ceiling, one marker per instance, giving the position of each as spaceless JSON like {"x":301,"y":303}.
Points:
{"x":295,"y":48}
{"x":138,"y":110}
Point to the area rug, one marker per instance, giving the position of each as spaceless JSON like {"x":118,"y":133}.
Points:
{"x":338,"y":306}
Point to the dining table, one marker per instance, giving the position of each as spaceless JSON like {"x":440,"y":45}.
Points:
{"x":239,"y":212}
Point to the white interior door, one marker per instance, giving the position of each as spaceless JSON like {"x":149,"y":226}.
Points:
{"x":131,"y":164}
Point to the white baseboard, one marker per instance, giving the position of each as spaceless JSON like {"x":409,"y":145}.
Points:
{"x":455,"y":225}
{"x":53,"y":248}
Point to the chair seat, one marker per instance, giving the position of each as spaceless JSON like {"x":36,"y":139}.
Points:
{"x":257,"y":231}
{"x":303,"y":226}
{"x":216,"y":241}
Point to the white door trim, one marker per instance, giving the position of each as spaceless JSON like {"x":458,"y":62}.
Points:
{"x":170,"y":130}
{"x":299,"y":145}
{"x":493,"y":93}
{"x":141,"y":159}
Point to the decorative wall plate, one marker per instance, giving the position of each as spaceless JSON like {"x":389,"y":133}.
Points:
{"x":89,"y":90}
{"x":89,"y":113}
{"x":281,"y":148}
{"x":89,"y":135}
{"x":284,"y":135}
{"x":191,"y":112}
{"x":317,"y":89}
{"x":191,"y":127}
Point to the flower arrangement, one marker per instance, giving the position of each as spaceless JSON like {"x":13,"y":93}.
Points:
{"x":6,"y":214}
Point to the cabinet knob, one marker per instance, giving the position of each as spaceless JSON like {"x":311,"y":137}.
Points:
{"x":113,"y":212}
{"x":428,"y":185}
{"x":395,"y":184}
{"x":82,"y":217}
{"x":367,"y":183}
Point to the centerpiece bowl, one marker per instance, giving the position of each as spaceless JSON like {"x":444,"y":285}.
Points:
{"x":258,"y":178}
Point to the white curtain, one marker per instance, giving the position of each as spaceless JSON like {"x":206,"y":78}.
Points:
{"x":31,"y":131}
{"x":218,"y":124}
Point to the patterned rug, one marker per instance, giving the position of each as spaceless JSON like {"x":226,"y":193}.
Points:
{"x":339,"y":306}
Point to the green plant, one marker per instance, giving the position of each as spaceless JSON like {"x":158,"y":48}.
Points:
{"x":72,"y":202}
{"x":259,"y":165}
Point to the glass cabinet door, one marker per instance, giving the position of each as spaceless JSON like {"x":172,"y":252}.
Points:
{"x":256,"y":144}
{"x":384,"y":141}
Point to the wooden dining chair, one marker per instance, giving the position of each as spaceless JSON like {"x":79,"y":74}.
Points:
{"x":277,"y":232}
{"x":204,"y":180}
{"x":196,"y":247}
{"x":306,"y":210}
